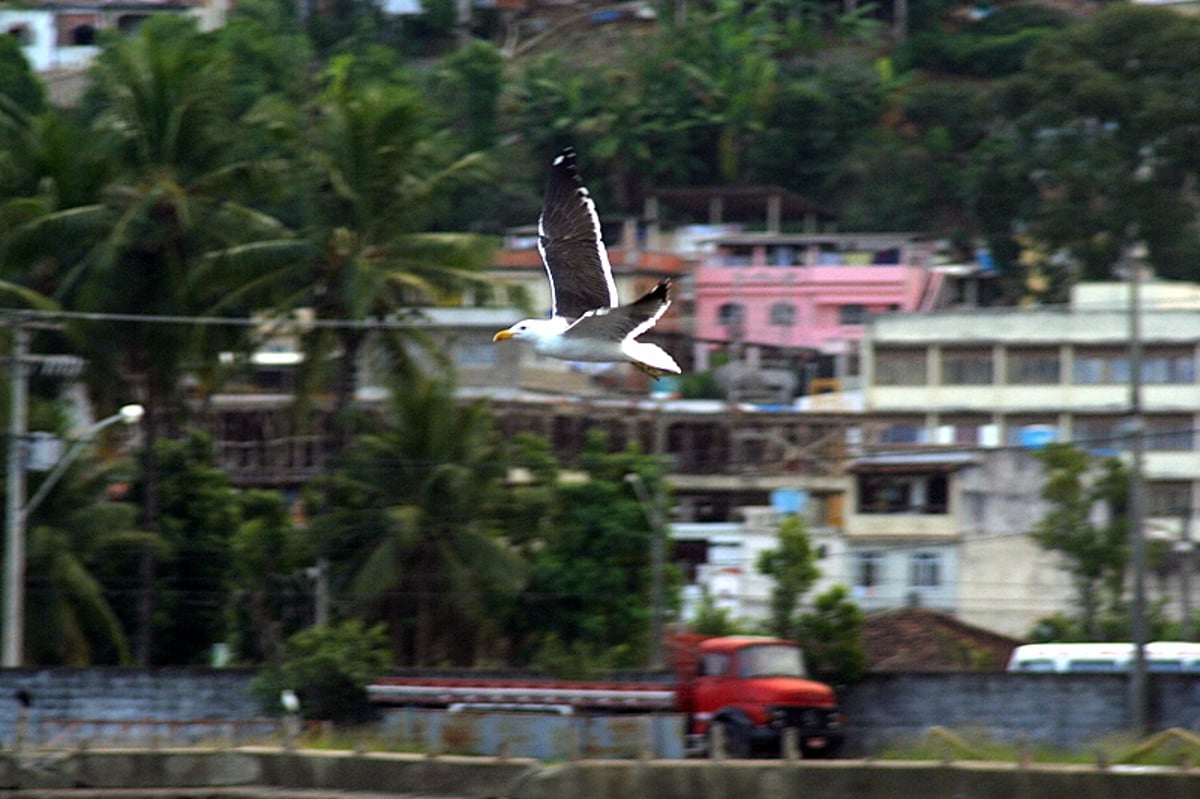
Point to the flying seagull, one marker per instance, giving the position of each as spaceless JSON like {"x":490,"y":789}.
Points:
{"x":586,"y":323}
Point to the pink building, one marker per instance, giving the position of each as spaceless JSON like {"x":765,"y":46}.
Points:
{"x":806,"y":295}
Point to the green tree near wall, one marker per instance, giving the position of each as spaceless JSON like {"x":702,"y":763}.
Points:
{"x":793,"y":567}
{"x":199,"y":514}
{"x":587,"y":603}
{"x":831,"y":633}
{"x":329,"y":668}
{"x":1095,"y":553}
{"x":832,"y":637}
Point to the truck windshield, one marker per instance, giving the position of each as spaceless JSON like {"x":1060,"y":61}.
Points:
{"x":771,"y":660}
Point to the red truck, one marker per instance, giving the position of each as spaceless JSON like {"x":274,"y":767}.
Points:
{"x":753,"y":688}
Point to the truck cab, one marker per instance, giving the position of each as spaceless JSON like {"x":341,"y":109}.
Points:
{"x":754,"y":689}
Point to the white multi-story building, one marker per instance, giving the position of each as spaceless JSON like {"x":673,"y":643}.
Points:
{"x":1006,"y":377}
{"x":942,"y":487}
{"x":986,"y":382}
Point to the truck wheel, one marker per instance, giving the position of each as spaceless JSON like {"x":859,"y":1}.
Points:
{"x":736,"y":740}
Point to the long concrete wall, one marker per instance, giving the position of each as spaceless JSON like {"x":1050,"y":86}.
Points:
{"x":1066,"y":711}
{"x":260,"y":772}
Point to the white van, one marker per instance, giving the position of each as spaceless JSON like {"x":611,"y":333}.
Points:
{"x":1161,"y":656}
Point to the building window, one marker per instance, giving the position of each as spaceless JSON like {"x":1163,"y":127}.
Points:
{"x":963,"y":430}
{"x":1103,"y":433}
{"x":901,"y":433}
{"x":783,"y":314}
{"x":868,"y":569}
{"x":925,"y":570}
{"x":1168,"y":499}
{"x":22,"y":34}
{"x":83,"y":36}
{"x":1034,"y":367}
{"x":900,"y":367}
{"x":902,"y":493}
{"x":852,"y":314}
{"x":1169,"y":434}
{"x":1168,"y":367}
{"x":966,"y":367}
{"x":730,"y":314}
{"x":1099,"y":367}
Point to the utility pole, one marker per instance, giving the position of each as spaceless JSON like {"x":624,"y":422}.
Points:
{"x":1186,"y":561}
{"x":1138,"y":694}
{"x":17,"y":508}
{"x":319,"y":574}
{"x":14,"y":539}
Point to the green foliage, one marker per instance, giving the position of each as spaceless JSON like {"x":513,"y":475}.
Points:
{"x":268,"y":51}
{"x":714,"y":621}
{"x":587,"y":599}
{"x":993,"y":46}
{"x":440,"y":17}
{"x":329,"y":668}
{"x":198,"y":515}
{"x":347,"y":25}
{"x":792,"y":566}
{"x":472,"y":82}
{"x":70,"y":619}
{"x":1102,"y":118}
{"x":269,"y":589}
{"x":17,"y":80}
{"x":404,"y":521}
{"x":832,"y":637}
{"x":1096,"y":554}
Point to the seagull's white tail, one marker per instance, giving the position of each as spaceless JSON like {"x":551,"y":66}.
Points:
{"x":651,"y":355}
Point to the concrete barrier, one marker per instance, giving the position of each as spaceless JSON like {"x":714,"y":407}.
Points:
{"x":386,"y":772}
{"x":844,"y":779}
{"x":252,"y":772}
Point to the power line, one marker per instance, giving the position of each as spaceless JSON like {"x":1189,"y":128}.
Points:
{"x":12,"y":317}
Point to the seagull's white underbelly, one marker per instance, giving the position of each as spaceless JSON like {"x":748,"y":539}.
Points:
{"x":582,"y":349}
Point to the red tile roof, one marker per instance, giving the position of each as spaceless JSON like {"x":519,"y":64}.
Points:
{"x":920,"y":639}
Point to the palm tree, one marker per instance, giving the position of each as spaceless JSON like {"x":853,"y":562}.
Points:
{"x":70,"y":618}
{"x":407,"y":530}
{"x":382,"y":177}
{"x":146,"y":244}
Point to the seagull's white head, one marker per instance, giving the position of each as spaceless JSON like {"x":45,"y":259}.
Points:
{"x":534,"y":331}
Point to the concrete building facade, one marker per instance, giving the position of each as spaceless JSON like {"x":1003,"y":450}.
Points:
{"x":994,"y":382}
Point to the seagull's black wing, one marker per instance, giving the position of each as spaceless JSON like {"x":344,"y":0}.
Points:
{"x":569,"y":240}
{"x":617,"y":324}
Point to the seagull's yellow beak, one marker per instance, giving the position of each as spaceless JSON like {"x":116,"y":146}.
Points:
{"x":502,"y":335}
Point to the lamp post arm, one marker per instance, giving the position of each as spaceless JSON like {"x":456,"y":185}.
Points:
{"x":55,"y":475}
{"x":61,"y":467}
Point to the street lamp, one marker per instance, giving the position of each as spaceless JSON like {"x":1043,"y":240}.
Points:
{"x":17,"y":514}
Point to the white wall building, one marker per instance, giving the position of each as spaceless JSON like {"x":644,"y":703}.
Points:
{"x":989,"y":379}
